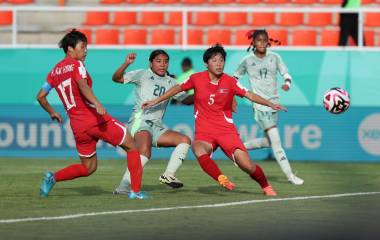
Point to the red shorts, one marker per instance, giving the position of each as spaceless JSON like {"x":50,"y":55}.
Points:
{"x":227,"y":142}
{"x":112,"y":132}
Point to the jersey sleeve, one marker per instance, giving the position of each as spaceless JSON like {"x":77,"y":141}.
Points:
{"x":187,"y":84}
{"x":237,"y":88}
{"x":241,"y":69}
{"x":133,"y":76}
{"x":80,"y":71}
{"x":281,"y":66}
{"x":49,"y":79}
{"x":180,"y":96}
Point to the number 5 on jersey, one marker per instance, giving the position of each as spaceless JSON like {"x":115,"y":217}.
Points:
{"x":211,"y":100}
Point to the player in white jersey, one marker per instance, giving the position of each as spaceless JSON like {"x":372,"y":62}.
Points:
{"x":146,"y":125}
{"x":262,"y":67}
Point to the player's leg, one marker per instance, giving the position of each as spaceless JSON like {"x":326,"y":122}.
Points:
{"x":258,"y":143}
{"x":280,"y":155}
{"x":170,"y":138}
{"x":86,"y":146}
{"x":244,"y":162}
{"x":143,"y":142}
{"x":202,"y":150}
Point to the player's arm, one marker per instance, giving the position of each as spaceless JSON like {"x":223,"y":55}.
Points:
{"x":87,"y":92}
{"x":257,"y":99}
{"x":284,"y":73}
{"x":42,"y":100}
{"x":118,"y":74}
{"x":170,"y":93}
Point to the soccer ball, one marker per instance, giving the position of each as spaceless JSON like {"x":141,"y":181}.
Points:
{"x":336,"y":100}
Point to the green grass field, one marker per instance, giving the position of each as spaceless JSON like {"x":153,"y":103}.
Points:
{"x":326,"y":216}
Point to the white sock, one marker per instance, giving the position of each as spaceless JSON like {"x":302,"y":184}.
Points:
{"x":178,"y":155}
{"x":257,"y":143}
{"x":278,"y":151}
{"x":126,"y":181}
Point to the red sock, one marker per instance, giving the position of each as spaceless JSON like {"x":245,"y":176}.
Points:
{"x":209,"y":166}
{"x":135,"y":168}
{"x":71,"y":172}
{"x":259,"y":176}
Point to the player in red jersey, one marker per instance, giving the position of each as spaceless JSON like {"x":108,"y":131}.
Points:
{"x":88,"y":118}
{"x":214,"y":92}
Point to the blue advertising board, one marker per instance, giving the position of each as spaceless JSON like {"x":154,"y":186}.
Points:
{"x":308,"y":133}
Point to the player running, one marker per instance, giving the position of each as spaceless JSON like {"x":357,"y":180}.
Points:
{"x":262,"y":67}
{"x":146,"y":125}
{"x":214,"y":92}
{"x":88,"y":118}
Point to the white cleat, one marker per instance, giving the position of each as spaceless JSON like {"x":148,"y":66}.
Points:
{"x":293,"y":179}
{"x":120,"y":191}
{"x":170,"y":180}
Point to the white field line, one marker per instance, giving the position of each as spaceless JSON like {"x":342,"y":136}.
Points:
{"x":80,"y":215}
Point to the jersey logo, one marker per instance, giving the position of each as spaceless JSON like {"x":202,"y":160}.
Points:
{"x":223,"y":90}
{"x":151,"y":78}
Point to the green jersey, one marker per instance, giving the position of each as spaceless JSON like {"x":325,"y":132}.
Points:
{"x":262,"y":73}
{"x":148,"y":87}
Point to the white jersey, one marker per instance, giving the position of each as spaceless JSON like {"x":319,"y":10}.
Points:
{"x":148,"y":87}
{"x":262,"y":73}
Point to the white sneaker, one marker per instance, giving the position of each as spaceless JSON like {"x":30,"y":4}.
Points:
{"x":120,"y":191}
{"x":170,"y":180}
{"x":293,"y":179}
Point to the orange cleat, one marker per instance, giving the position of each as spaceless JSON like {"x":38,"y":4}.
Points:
{"x":224,"y":182}
{"x":268,"y":191}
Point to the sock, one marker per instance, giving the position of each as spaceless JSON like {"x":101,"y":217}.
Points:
{"x":279,"y":152}
{"x":126,"y":181}
{"x":178,"y":155}
{"x":135,"y":169}
{"x":209,"y":166}
{"x":71,"y":172}
{"x":259,"y":176}
{"x":257,"y":143}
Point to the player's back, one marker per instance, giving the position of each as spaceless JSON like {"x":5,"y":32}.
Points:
{"x":64,"y":78}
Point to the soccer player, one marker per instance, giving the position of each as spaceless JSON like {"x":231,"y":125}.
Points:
{"x":88,"y":118}
{"x":146,"y":125}
{"x":262,"y":66}
{"x":214,"y":92}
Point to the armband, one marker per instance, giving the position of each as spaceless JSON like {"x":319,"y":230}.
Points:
{"x":46,"y":87}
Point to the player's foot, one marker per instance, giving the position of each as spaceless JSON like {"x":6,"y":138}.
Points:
{"x":120,"y":191}
{"x":224,"y":182}
{"x":268,"y":191}
{"x":170,"y":180}
{"x":293,"y":179}
{"x":137,"y":195}
{"x":47,"y":184}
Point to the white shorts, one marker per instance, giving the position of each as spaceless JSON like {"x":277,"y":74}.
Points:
{"x":266,"y":119}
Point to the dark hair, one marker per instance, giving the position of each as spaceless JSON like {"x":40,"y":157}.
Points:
{"x":71,"y":39}
{"x":212,"y":51}
{"x":157,"y":52}
{"x":187,"y":62}
{"x":253,"y":34}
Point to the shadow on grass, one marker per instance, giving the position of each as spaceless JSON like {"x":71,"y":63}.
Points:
{"x":217,"y":190}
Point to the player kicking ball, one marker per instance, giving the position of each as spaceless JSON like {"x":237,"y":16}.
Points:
{"x":88,"y":118}
{"x":214,"y":127}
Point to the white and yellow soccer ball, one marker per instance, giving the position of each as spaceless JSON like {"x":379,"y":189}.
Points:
{"x":336,"y":100}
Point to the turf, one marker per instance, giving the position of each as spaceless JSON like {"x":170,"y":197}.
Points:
{"x":351,"y":217}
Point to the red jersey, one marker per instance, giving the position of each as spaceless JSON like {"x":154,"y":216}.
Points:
{"x":64,"y":78}
{"x":213,"y":102}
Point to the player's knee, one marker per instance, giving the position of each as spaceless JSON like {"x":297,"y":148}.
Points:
{"x":185,"y":139}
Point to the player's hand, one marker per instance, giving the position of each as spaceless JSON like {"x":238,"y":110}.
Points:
{"x":56,"y":117}
{"x":148,"y":104}
{"x":100,"y":109}
{"x":130,"y":58}
{"x":285,"y":87}
{"x":279,"y":107}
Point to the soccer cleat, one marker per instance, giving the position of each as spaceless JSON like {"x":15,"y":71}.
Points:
{"x":268,"y":191}
{"x":293,"y":179}
{"x":47,"y":184}
{"x":137,"y":195}
{"x":120,"y":191}
{"x":224,"y":182}
{"x":170,"y":180}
